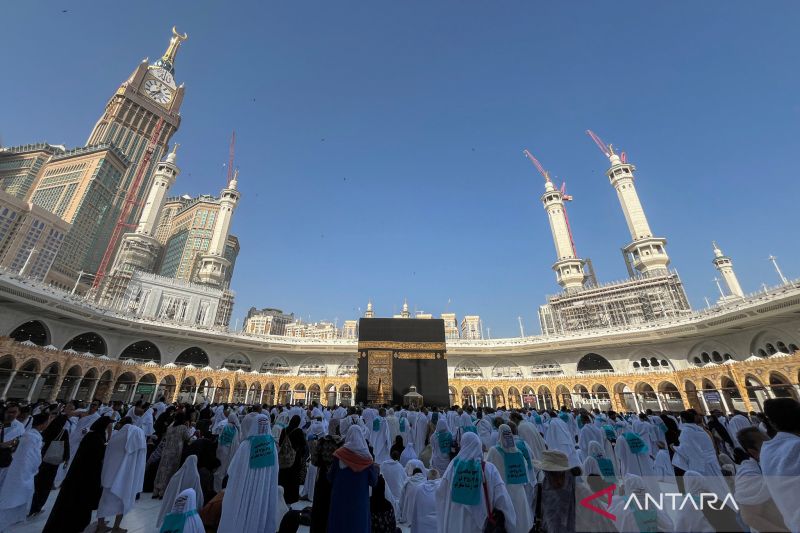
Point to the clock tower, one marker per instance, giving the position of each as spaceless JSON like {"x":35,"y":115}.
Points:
{"x":149,"y":94}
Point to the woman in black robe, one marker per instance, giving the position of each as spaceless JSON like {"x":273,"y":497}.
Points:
{"x":43,"y":482}
{"x":81,"y":489}
{"x":289,"y":478}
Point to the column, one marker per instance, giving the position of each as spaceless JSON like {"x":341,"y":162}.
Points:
{"x":74,"y":392}
{"x":154,"y":395}
{"x":196,"y":391}
{"x":33,"y":387}
{"x":213,"y":394}
{"x":703,"y":401}
{"x":56,"y":387}
{"x":92,"y":390}
{"x":768,"y":392}
{"x":660,"y":405}
{"x":7,"y":386}
{"x":636,"y":402}
{"x":724,"y":400}
{"x":261,"y":397}
{"x":132,"y":395}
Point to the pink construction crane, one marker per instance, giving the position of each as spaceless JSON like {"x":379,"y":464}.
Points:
{"x":564,"y":196}
{"x":607,"y":149}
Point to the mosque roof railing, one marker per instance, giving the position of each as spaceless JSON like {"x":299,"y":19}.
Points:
{"x":41,"y":293}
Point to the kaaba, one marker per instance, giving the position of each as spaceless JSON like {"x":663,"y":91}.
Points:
{"x":395,"y":354}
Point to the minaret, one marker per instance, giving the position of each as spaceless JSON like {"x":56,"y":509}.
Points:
{"x":405,"y":313}
{"x":568,"y":267}
{"x":213,"y":265}
{"x":724,"y":264}
{"x":649,"y":255}
{"x":370,"y":313}
{"x":139,"y":250}
{"x":164,"y":178}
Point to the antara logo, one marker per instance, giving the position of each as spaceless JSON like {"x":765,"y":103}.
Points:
{"x":675,"y":501}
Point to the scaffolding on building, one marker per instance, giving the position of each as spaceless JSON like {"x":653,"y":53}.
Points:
{"x":629,"y":302}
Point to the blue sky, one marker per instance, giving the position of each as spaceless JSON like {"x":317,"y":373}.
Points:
{"x":380,"y":143}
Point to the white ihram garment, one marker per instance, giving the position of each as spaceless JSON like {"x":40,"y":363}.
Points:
{"x":16,"y":493}
{"x":185,"y":478}
{"x":123,"y":471}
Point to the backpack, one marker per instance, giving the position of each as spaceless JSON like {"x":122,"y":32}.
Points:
{"x":286,"y":454}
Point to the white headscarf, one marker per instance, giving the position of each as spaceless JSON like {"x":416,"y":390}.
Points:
{"x":185,"y":478}
{"x":414,"y":464}
{"x":505,"y":438}
{"x":408,"y":453}
{"x":441,"y":425}
{"x":471,"y":448}
{"x":185,"y":503}
{"x":355,"y":442}
{"x":123,"y":465}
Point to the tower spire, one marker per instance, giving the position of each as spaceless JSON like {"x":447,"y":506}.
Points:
{"x":167,"y":61}
{"x":724,"y":264}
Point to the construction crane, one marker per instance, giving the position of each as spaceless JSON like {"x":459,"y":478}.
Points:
{"x":229,"y":177}
{"x":127,"y":206}
{"x":607,"y":149}
{"x":564,"y":196}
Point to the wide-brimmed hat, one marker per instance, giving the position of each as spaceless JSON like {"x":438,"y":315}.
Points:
{"x":552,"y":461}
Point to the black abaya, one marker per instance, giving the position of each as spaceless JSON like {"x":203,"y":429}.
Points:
{"x":80,"y":492}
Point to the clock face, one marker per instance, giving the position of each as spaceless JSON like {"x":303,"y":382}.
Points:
{"x":157,"y":91}
{"x":163,"y":75}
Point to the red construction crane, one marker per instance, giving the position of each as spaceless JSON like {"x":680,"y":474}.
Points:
{"x":127,"y":206}
{"x":564,"y":196}
{"x":229,"y":177}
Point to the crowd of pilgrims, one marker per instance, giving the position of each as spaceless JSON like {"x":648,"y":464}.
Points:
{"x":237,"y":468}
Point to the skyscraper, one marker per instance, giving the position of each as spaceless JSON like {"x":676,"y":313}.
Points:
{"x":149,"y":94}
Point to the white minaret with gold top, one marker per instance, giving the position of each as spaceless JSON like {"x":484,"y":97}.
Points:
{"x":648,"y":253}
{"x":166,"y":173}
{"x":213,"y":264}
{"x":568,"y":267}
{"x":724,"y":264}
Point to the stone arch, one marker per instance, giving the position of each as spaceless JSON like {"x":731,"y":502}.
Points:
{"x":544,"y":398}
{"x":781,"y":386}
{"x":269,"y":393}
{"x":193,"y":356}
{"x":47,"y":381}
{"x":467,"y":397}
{"x":205,"y":389}
{"x":330,"y":395}
{"x":481,"y":397}
{"x":7,"y":365}
{"x":626,"y":397}
{"x":731,"y":393}
{"x":467,"y":369}
{"x":87,"y":385}
{"x":299,"y":394}
{"x":34,"y":331}
{"x":105,"y":387}
{"x":314,"y":394}
{"x":514,"y":398}
{"x":222,"y":394}
{"x":647,"y":397}
{"x":506,"y":369}
{"x":602,"y":397}
{"x":146,"y":388}
{"x":237,"y":361}
{"x":124,"y":387}
{"x":346,"y":395}
{"x":239,"y":392}
{"x":563,"y":397}
{"x":254,"y":393}
{"x":275,"y":365}
{"x":756,"y":391}
{"x":283,"y":394}
{"x":70,"y":383}
{"x":312,"y":367}
{"x":594,"y":363}
{"x":452,"y":395}
{"x":347,"y":368}
{"x":88,"y":342}
{"x":672,"y":396}
{"x":498,"y":398}
{"x":704,"y":351}
{"x":528,"y":396}
{"x":141,"y":351}
{"x":187,"y":389}
{"x":768,"y":339}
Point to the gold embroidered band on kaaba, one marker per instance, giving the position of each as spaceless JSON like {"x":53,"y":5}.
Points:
{"x":395,"y":345}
